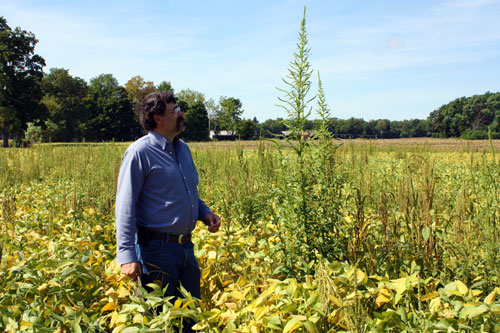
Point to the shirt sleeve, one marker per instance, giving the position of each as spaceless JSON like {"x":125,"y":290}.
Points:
{"x":130,"y":181}
{"x":202,"y":210}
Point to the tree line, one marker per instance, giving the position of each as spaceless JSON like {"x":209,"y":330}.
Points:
{"x":58,"y":107}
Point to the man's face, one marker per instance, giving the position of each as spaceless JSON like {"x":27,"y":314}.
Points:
{"x":172,"y":121}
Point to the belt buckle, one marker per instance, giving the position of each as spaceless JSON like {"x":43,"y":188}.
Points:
{"x":180,"y":239}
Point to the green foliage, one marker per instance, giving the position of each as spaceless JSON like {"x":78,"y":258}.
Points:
{"x":138,"y":89}
{"x":64,"y":99}
{"x":246,"y":129}
{"x":57,"y":267}
{"x":165,"y":86}
{"x":33,"y":133}
{"x":20,"y":75}
{"x":189,"y":96}
{"x":192,"y":103}
{"x":309,"y":187}
{"x":196,"y":122}
{"x":110,"y":114}
{"x":464,"y":116}
{"x":228,"y":114}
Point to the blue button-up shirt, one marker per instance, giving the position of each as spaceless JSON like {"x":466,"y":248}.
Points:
{"x":157,"y":188}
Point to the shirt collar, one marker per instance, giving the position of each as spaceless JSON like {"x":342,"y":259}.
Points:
{"x":159,"y":139}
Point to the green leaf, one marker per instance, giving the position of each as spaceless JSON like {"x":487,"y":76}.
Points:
{"x":76,"y":327}
{"x":476,"y":311}
{"x":310,"y":326}
{"x":312,"y":300}
{"x":426,"y":232}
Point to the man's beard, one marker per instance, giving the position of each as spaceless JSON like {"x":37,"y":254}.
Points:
{"x":180,"y":123}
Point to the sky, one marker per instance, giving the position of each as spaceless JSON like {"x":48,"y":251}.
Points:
{"x":391,"y":60}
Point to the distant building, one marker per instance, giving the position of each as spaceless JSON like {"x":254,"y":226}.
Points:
{"x":223,"y":135}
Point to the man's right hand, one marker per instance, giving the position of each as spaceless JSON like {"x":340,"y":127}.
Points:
{"x":132,"y":269}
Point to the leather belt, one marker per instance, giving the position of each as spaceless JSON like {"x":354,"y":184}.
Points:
{"x":181,"y":239}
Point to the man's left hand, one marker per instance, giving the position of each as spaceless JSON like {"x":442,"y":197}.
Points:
{"x":212,"y":221}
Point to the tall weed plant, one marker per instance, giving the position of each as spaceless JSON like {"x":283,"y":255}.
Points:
{"x":309,"y":185}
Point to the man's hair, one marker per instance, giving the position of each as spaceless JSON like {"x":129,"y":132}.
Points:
{"x":152,"y":104}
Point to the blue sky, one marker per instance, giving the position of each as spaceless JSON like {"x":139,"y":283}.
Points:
{"x":377,"y":59}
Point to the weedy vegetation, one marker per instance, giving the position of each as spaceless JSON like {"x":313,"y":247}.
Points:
{"x":317,"y":236}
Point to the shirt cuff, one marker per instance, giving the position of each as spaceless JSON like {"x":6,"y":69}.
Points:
{"x":126,"y":256}
{"x":204,"y":210}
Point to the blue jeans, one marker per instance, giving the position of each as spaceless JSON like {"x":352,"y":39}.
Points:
{"x":170,"y":263}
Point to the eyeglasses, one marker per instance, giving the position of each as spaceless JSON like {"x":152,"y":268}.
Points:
{"x":177,"y":110}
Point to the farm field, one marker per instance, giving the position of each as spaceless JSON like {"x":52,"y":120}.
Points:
{"x":356,"y":236}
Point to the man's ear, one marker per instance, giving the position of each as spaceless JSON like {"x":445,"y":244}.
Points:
{"x":157,"y":118}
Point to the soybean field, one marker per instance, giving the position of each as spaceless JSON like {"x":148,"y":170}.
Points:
{"x":317,"y":236}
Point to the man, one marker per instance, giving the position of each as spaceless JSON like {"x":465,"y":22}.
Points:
{"x":157,"y":202}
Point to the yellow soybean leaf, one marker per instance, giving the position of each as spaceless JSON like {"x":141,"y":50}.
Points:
{"x":54,"y":283}
{"x":360,"y":276}
{"x":212,"y":255}
{"x":231,"y":306}
{"x":462,"y":288}
{"x":381,"y":300}
{"x":260,"y":312}
{"x":26,"y":324}
{"x":399,"y":285}
{"x":491,"y":297}
{"x":118,"y":329}
{"x":188,"y":303}
{"x":10,"y":261}
{"x":430,"y":296}
{"x":114,"y":317}
{"x":335,"y":300}
{"x":206,"y":273}
{"x":228,"y":315}
{"x":476,"y":292}
{"x":199,"y":327}
{"x":435,"y":305}
{"x":292,"y":325}
{"x":123,"y":292}
{"x":111,"y":306}
{"x":178,"y":303}
{"x":212,"y":285}
{"x":454,"y":292}
{"x":238,"y":295}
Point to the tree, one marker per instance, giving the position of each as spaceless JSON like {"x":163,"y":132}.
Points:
{"x":138,"y":89}
{"x":110,"y":114}
{"x":246,"y":129}
{"x":20,"y":75}
{"x":272,"y":126}
{"x":229,"y":113}
{"x":212,"y":110}
{"x":196,"y":122}
{"x":466,"y":115}
{"x":165,"y":86}
{"x":195,"y":115}
{"x":383,"y":128}
{"x":190,"y":96}
{"x":64,"y":97}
